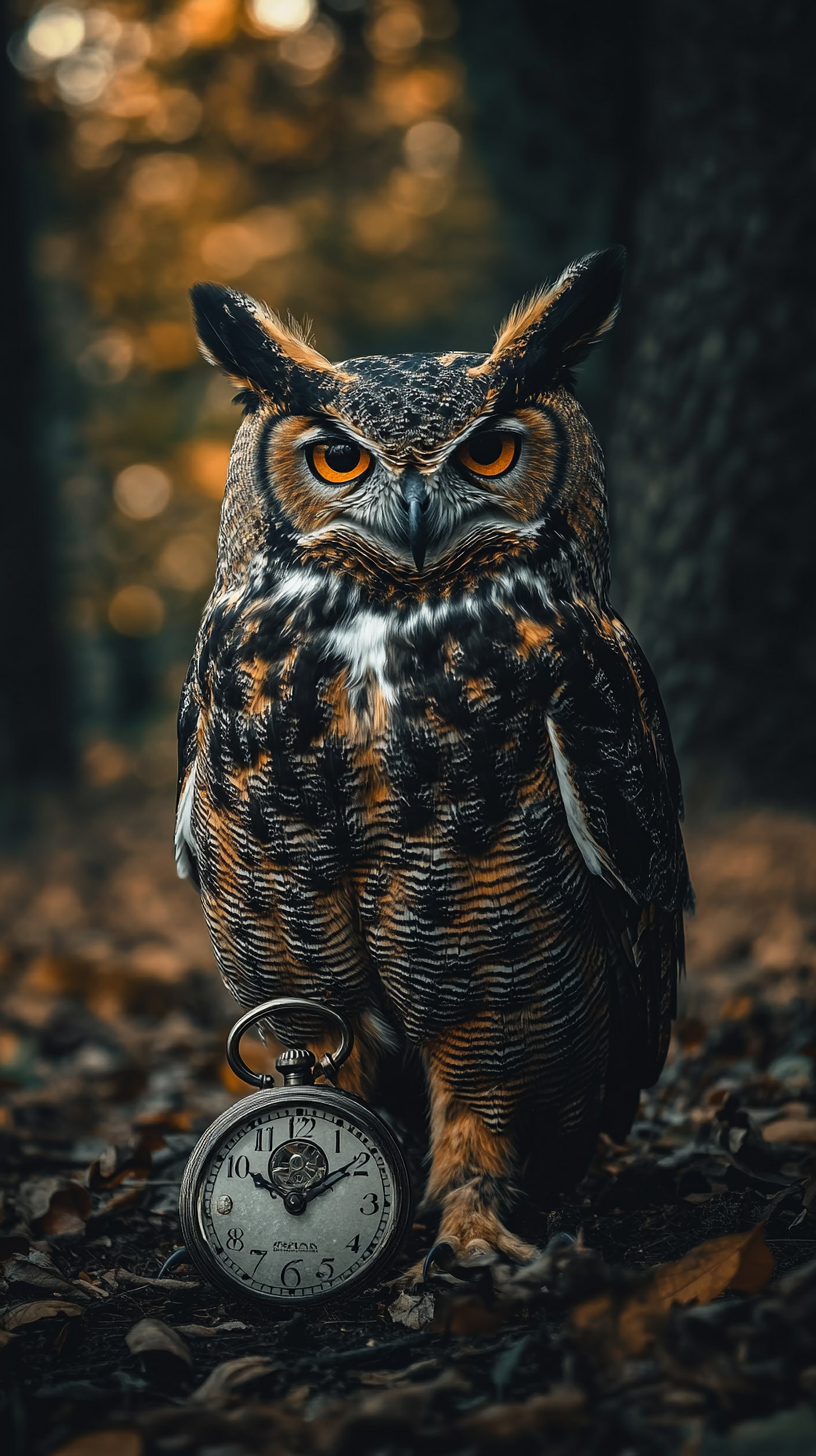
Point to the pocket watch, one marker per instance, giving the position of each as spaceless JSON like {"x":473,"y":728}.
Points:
{"x":297,"y":1193}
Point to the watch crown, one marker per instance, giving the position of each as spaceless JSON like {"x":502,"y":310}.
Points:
{"x":296,"y":1064}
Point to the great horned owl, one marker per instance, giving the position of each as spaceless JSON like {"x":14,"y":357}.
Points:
{"x":425,"y":773}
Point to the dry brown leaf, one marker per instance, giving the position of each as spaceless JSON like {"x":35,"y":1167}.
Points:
{"x":210,"y":1332}
{"x":24,"y":1271}
{"x":103,"y":1443}
{"x":54,"y":1206}
{"x":231,"y":1376}
{"x":791,"y":1130}
{"x":737,"y":1261}
{"x":153,"y":1337}
{"x":412,"y":1310}
{"x":388,"y":1378}
{"x":28,"y":1314}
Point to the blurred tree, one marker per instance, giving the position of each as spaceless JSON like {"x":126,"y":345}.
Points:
{"x":558,"y":92}
{"x":712,"y":459}
{"x":34,"y":716}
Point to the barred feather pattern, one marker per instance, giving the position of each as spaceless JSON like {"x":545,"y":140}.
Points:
{"x":378,"y":822}
{"x":440,"y":798}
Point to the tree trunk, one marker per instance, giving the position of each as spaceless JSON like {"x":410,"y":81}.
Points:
{"x":711,"y":463}
{"x":34,"y":731}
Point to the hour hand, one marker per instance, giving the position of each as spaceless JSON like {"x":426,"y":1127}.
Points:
{"x":260,"y":1182}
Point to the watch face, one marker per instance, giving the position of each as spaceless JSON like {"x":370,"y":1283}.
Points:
{"x":295,"y":1196}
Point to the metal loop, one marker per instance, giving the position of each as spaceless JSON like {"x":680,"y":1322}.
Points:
{"x":284,"y":1003}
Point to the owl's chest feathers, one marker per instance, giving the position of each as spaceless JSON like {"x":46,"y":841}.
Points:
{"x":430,"y":720}
{"x":345,"y":670}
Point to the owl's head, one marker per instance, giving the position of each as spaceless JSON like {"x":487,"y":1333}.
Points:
{"x":417,"y":467}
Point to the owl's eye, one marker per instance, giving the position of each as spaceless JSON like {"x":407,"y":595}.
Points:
{"x":339,"y":461}
{"x":490,"y":452}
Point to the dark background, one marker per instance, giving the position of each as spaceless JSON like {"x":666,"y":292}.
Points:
{"x":684,"y":130}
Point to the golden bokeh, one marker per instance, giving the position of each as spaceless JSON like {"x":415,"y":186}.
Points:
{"x":310,"y":152}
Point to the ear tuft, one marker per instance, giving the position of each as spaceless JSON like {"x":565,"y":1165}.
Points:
{"x":230,"y":336}
{"x":547,"y":334}
{"x":252,"y":345}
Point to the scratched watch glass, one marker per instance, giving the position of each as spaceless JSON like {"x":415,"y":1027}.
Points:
{"x":295,"y":1194}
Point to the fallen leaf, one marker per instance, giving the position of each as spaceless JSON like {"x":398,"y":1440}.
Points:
{"x":28,"y":1314}
{"x":209,"y":1332}
{"x":387,"y":1378}
{"x":25,"y":1271}
{"x":164,"y":1356}
{"x":737,"y":1261}
{"x":232,"y":1376}
{"x":103,"y":1443}
{"x":116,"y":1164}
{"x":54,"y":1206}
{"x":412,"y":1310}
{"x":791,"y":1130}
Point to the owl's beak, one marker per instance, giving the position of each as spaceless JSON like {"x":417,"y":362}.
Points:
{"x":416,"y":497}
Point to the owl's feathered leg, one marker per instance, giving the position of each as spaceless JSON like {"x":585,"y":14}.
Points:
{"x":359,"y":1073}
{"x":472,"y":1179}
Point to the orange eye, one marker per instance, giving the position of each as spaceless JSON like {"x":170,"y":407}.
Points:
{"x":339,"y":461}
{"x":490,"y":452}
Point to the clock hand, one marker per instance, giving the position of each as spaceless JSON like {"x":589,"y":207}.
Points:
{"x":332,"y":1179}
{"x":260,"y":1182}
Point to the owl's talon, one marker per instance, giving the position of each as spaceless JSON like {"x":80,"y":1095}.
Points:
{"x":442,"y":1253}
{"x":178,"y":1256}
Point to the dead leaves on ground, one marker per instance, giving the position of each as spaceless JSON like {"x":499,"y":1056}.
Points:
{"x":741,"y":1262}
{"x":111,"y":1071}
{"x":40,"y":1309}
{"x":162,"y":1353}
{"x":54,"y":1207}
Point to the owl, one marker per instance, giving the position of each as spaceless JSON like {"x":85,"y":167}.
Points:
{"x":426,"y":776}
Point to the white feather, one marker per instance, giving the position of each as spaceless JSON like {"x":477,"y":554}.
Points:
{"x":576,"y":818}
{"x":185,"y":844}
{"x":362,"y":644}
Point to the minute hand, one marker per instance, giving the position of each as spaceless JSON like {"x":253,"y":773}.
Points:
{"x":332,"y":1179}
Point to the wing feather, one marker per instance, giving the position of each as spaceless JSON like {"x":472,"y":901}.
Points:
{"x":186,"y":865}
{"x":620,"y":786}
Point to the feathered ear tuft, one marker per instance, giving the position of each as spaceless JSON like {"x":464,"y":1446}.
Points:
{"x":553,"y":330}
{"x":259,"y":352}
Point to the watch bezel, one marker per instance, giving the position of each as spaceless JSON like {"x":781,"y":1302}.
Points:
{"x":195,"y":1173}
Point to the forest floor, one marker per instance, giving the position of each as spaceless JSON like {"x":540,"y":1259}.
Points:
{"x":682,"y":1318}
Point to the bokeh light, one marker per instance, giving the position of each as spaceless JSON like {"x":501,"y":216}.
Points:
{"x":55,"y":31}
{"x":307,"y":151}
{"x":187,"y":562}
{"x":432,"y":147}
{"x":142,"y":491}
{"x":281,"y":17}
{"x":136,"y":611}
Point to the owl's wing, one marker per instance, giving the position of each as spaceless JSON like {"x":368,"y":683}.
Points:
{"x":620,"y":787}
{"x":187,"y":743}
